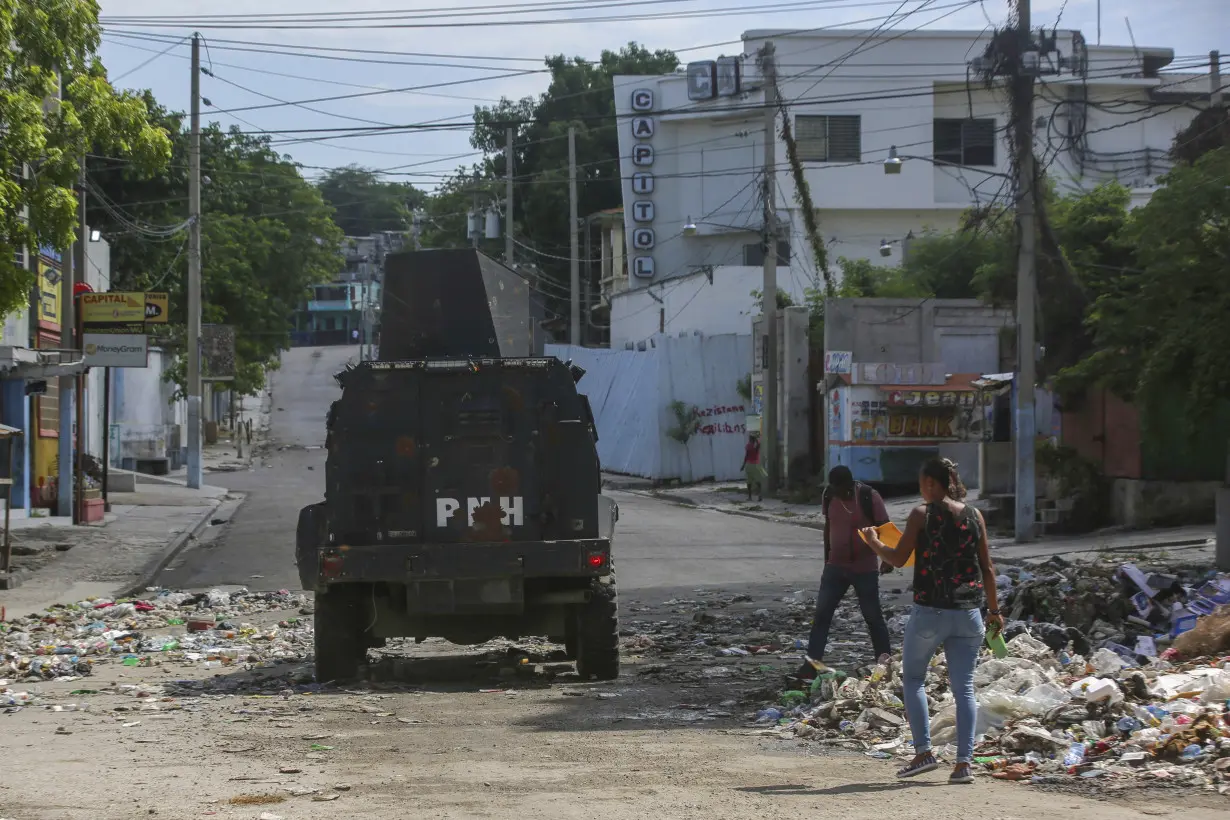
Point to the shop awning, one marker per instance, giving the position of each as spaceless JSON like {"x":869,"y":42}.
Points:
{"x":27,"y":363}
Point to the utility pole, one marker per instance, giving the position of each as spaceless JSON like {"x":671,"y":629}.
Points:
{"x":768,"y":425}
{"x":194,"y":275}
{"x":81,"y":265}
{"x":1215,"y":78}
{"x":574,"y":332}
{"x":508,"y":197}
{"x":1025,"y":427}
{"x":72,"y":267}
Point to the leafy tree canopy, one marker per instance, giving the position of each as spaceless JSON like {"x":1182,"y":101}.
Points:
{"x":1162,"y":327}
{"x":365,"y":204}
{"x":37,"y":38}
{"x":580,"y":94}
{"x":267,"y":234}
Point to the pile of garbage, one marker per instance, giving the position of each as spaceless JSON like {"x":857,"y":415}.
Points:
{"x":65,"y":642}
{"x":1135,"y":611}
{"x":1069,"y":699}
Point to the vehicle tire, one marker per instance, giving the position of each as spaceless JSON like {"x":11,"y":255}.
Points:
{"x":341,"y":646}
{"x":597,"y":636}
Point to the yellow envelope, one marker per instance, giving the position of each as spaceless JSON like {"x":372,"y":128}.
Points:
{"x":890,"y":535}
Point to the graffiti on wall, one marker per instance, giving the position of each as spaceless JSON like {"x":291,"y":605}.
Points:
{"x":712,"y":424}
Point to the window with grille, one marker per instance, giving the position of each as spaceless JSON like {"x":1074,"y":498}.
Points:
{"x":47,"y":405}
{"x":829,"y":138}
{"x":753,"y":253}
{"x":965,"y":142}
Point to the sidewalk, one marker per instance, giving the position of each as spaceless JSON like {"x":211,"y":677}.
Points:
{"x":1194,"y":542}
{"x":58,"y":562}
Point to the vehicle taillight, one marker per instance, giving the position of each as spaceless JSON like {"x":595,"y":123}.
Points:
{"x":331,"y":565}
{"x":597,"y":560}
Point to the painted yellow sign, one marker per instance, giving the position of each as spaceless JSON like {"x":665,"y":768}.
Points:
{"x":112,"y":308}
{"x":157,"y":308}
{"x":48,"y":293}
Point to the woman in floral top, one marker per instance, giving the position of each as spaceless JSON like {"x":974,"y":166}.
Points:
{"x":953,"y":576}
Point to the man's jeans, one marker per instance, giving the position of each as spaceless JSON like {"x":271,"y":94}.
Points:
{"x":960,"y":632}
{"x":833,"y":586}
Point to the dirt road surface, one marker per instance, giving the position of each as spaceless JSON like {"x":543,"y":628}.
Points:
{"x":501,"y":731}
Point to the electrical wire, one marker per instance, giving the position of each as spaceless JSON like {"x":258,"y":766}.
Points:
{"x":430,"y":21}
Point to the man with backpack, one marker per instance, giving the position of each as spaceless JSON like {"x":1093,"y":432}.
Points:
{"x":849,"y":505}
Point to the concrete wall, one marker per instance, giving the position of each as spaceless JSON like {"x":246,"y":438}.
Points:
{"x":794,"y":395}
{"x":97,"y":276}
{"x":962,"y":334}
{"x":693,"y":303}
{"x":144,"y":421}
{"x":630,"y":392}
{"x":1145,"y":504}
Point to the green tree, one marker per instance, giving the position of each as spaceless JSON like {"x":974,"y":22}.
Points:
{"x":1161,"y":328}
{"x":580,"y":94}
{"x":365,"y":204}
{"x":267,"y":234}
{"x":1208,"y":131}
{"x":42,"y":41}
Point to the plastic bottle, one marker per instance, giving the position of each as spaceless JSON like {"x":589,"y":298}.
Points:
{"x":1075,"y":755}
{"x":995,"y":641}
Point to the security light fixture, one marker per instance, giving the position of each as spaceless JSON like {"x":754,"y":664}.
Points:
{"x":892,"y":165}
{"x":886,"y":248}
{"x":95,"y":235}
{"x":689,"y":227}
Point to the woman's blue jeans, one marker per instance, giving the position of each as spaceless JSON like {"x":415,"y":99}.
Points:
{"x":960,"y":632}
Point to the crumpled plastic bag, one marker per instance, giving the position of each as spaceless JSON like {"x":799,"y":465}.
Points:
{"x":1013,"y":674}
{"x":1105,"y":662}
{"x":1028,"y":647}
{"x":1002,"y":705}
{"x":1196,"y":682}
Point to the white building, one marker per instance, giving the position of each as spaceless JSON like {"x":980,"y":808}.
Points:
{"x":692,"y":169}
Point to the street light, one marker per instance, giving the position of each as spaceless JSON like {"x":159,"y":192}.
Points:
{"x":892,"y":165}
{"x":689,"y":227}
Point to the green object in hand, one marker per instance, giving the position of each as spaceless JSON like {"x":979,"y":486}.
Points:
{"x":995,"y":641}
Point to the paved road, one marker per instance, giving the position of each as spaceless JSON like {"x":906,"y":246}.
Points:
{"x":660,"y":547}
{"x":260,"y":540}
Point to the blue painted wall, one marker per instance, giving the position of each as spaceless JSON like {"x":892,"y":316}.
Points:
{"x":15,"y":408}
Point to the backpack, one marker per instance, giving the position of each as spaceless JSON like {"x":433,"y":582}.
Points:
{"x":865,"y":497}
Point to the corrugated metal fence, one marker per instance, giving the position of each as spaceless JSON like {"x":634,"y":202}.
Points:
{"x":631,"y":392}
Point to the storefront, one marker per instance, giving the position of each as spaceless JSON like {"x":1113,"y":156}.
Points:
{"x":45,"y":404}
{"x":884,"y":432}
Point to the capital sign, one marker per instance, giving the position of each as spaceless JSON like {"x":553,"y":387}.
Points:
{"x":642,"y":211}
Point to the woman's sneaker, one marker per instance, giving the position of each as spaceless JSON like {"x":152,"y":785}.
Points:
{"x":918,"y":766}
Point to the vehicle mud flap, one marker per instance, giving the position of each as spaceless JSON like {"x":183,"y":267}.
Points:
{"x":595,"y":642}
{"x":309,"y":538}
{"x":340,"y":642}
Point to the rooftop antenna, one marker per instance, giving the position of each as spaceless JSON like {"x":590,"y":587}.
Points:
{"x":1132,"y":37}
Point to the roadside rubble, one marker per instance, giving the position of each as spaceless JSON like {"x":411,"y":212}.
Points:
{"x":1126,"y":681}
{"x":205,"y":630}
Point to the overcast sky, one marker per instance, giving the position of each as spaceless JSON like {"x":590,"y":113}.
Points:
{"x":1190,"y":27}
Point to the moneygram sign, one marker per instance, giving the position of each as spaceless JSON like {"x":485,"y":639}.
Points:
{"x":116,"y":349}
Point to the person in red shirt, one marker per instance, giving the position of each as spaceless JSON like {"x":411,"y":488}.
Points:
{"x":751,"y":467}
{"x":848,"y":562}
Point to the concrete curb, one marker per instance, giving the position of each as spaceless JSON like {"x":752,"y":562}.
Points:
{"x":684,"y":501}
{"x":170,"y":551}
